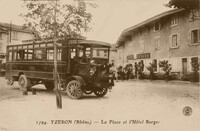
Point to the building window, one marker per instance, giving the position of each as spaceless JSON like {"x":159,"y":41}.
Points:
{"x":195,"y":36}
{"x":157,"y":26}
{"x":157,"y":43}
{"x":141,"y":46}
{"x":15,"y":35}
{"x":174,"y":21}
{"x":175,"y":40}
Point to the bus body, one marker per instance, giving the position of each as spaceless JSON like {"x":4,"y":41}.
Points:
{"x":83,"y":66}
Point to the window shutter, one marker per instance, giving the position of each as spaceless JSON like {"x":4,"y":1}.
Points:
{"x":189,"y":37}
{"x":170,"y":41}
{"x":178,"y":40}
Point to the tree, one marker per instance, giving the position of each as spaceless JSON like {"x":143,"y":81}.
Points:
{"x":189,"y":5}
{"x":152,"y":68}
{"x":195,"y":68}
{"x":166,"y":67}
{"x":186,"y":4}
{"x":72,"y":18}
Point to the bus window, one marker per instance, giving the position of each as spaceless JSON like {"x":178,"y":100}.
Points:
{"x":100,"y":53}
{"x":49,"y":54}
{"x":87,"y":52}
{"x":73,"y":53}
{"x":59,"y":54}
{"x":10,"y":56}
{"x":39,"y":54}
{"x":29,"y":54}
{"x":20,"y":54}
{"x":14,"y":55}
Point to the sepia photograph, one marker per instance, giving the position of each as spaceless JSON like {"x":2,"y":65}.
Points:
{"x":93,"y":65}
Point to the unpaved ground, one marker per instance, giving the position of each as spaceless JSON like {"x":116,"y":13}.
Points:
{"x":159,"y":102}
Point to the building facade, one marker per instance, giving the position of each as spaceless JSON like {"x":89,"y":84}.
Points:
{"x":11,"y":34}
{"x":173,"y":36}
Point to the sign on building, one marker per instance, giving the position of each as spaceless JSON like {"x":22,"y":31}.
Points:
{"x":143,"y":56}
{"x":130,"y":57}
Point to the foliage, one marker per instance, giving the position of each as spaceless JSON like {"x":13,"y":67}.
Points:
{"x":152,"y":68}
{"x":190,"y":5}
{"x":166,"y":67}
{"x":195,"y":68}
{"x":186,"y":4}
{"x":195,"y":65}
{"x":125,"y":72}
{"x":128,"y":69}
{"x":71,"y":19}
{"x":120,"y":73}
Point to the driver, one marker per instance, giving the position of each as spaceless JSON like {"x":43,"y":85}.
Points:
{"x":84,"y":58}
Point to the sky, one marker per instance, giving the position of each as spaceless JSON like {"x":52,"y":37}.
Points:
{"x":109,"y":19}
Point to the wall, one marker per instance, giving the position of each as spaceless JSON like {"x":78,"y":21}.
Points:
{"x":147,"y":36}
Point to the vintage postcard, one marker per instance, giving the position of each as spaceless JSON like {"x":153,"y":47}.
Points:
{"x":93,"y":65}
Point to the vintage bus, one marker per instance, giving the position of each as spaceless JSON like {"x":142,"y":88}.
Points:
{"x":83,"y":66}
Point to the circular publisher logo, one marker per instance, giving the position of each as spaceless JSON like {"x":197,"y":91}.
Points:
{"x":187,"y":111}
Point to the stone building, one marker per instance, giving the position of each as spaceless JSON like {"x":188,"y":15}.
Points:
{"x":172,"y":35}
{"x":11,"y":34}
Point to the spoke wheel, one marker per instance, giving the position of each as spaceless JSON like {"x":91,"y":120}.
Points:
{"x":73,"y":89}
{"x":101,"y":92}
{"x":49,"y":85}
{"x":24,"y":83}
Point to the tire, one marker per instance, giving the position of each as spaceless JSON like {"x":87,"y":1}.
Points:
{"x":74,"y":90}
{"x":101,"y":92}
{"x":24,"y":83}
{"x":49,"y":85}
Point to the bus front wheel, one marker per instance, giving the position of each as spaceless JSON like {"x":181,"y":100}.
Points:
{"x":101,"y":92}
{"x":24,"y":83}
{"x":74,"y":90}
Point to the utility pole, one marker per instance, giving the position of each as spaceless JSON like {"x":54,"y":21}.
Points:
{"x":55,"y":72}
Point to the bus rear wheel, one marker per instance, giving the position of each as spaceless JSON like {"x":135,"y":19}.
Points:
{"x":74,"y":90}
{"x":49,"y":85}
{"x":101,"y":92}
{"x":24,"y":83}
